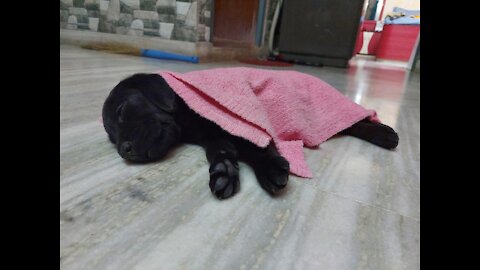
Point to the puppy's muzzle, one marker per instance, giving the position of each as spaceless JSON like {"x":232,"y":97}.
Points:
{"x":126,"y":151}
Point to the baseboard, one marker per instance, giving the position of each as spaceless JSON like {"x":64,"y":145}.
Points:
{"x":209,"y":53}
{"x":80,"y":38}
{"x":204,"y":50}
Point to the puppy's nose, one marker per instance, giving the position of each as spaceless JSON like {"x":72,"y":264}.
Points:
{"x":126,"y":147}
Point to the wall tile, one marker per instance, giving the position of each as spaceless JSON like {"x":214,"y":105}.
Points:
{"x":148,"y":4}
{"x":142,"y":14}
{"x":72,"y":22}
{"x":93,"y":24}
{"x":186,"y":20}
{"x":63,"y":16}
{"x":183,"y":7}
{"x":191,"y":19}
{"x":165,"y":30}
{"x":77,"y":11}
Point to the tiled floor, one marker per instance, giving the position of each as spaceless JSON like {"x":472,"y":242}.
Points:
{"x":360,"y":211}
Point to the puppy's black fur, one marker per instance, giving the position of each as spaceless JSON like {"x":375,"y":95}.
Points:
{"x":144,"y":118}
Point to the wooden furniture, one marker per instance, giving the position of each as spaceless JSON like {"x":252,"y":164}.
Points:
{"x":235,"y":23}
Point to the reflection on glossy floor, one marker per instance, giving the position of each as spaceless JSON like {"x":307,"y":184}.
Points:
{"x":360,"y":211}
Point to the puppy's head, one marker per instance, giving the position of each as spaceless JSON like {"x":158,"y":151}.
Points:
{"x":138,"y":117}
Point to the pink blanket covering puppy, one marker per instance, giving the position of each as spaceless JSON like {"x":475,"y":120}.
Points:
{"x":291,"y":108}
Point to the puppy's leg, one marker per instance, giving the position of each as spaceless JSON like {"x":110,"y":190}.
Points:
{"x":376,"y":133}
{"x":271,"y":169}
{"x":222,"y":156}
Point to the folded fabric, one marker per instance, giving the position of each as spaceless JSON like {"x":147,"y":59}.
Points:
{"x":290,"y":108}
{"x":410,"y":17}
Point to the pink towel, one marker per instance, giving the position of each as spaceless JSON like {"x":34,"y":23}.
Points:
{"x":291,"y":108}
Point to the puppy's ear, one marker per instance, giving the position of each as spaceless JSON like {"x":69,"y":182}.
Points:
{"x":107,"y":118}
{"x":160,"y":93}
{"x":110,"y":132}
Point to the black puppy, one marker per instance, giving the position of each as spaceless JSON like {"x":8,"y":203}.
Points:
{"x":145,"y":118}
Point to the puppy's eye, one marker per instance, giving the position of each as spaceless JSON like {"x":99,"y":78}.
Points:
{"x":119,"y":112}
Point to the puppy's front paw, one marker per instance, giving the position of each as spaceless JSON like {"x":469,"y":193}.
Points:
{"x":385,"y":137}
{"x":273,"y":175}
{"x":224,"y":181}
